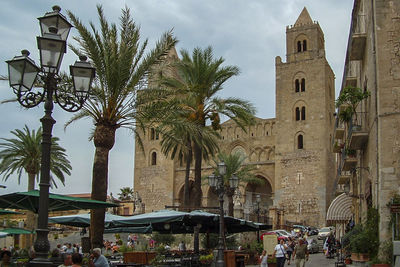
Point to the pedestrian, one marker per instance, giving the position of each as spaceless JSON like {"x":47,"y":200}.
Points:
{"x":182,"y":246}
{"x":300,"y":253}
{"x":76,"y":260}
{"x":264,"y":259}
{"x":67,"y":259}
{"x":290,"y":248}
{"x":280,"y":253}
{"x":5,"y":257}
{"x":98,"y":260}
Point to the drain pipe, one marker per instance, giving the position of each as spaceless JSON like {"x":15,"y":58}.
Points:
{"x":377,"y":122}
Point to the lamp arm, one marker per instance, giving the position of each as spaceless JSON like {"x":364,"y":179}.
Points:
{"x":32,"y":97}
{"x":67,"y":100}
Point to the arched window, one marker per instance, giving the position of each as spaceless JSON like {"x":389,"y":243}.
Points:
{"x":303,"y":113}
{"x":157,"y":135}
{"x":152,"y":134}
{"x":154,"y":158}
{"x":303,"y":85}
{"x":297,"y":85}
{"x":300,"y":141}
{"x":304,"y":45}
{"x":297,"y":114}
{"x":299,"y":46}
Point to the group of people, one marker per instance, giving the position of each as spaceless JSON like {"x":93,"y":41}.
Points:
{"x":75,"y":259}
{"x":290,"y":250}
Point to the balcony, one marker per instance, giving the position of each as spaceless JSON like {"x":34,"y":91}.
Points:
{"x":357,"y":132}
{"x":358,"y":39}
{"x":349,"y":163}
{"x":339,"y":129}
{"x":344,"y":177}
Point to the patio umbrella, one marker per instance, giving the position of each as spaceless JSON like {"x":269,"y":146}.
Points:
{"x":132,"y":230}
{"x":3,"y":212}
{"x":83,"y":220}
{"x":161,"y":216}
{"x":2,"y":234}
{"x":177,"y":222}
{"x":30,"y":201}
{"x":16,"y":231}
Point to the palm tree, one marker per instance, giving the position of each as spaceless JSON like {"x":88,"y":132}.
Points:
{"x":235,"y":166}
{"x":23,"y":154}
{"x":178,"y":140}
{"x":122,"y":68}
{"x":126,"y":193}
{"x":200,"y":78}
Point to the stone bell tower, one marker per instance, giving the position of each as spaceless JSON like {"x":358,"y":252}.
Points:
{"x":305,"y":95}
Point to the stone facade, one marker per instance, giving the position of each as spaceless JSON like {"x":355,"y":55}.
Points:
{"x":297,"y":178}
{"x":373,"y":64}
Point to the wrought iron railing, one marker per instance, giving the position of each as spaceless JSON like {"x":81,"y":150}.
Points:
{"x":357,"y":123}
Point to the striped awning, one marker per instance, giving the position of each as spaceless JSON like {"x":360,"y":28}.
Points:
{"x":340,"y":209}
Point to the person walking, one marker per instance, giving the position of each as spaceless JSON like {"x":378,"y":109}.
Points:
{"x":290,"y":248}
{"x":279,"y":253}
{"x":264,"y":259}
{"x":300,"y":253}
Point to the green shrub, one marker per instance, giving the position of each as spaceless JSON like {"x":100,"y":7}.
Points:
{"x":166,"y":239}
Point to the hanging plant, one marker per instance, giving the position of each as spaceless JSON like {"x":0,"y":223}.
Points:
{"x":351,"y":96}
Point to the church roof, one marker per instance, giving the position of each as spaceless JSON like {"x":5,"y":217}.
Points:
{"x":304,"y":18}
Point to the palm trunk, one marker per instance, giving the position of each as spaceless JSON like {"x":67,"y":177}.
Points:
{"x":30,"y":215}
{"x":104,"y":139}
{"x":198,"y":157}
{"x":230,"y":202}
{"x":186,"y":193}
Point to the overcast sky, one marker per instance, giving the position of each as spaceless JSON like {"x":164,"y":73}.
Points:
{"x":247,"y":33}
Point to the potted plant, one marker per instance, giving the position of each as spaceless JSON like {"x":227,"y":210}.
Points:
{"x":351,"y":97}
{"x":206,"y":259}
{"x":364,"y":241}
{"x":271,"y":261}
{"x":350,"y":152}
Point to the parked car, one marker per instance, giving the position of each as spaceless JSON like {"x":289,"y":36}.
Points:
{"x":312,"y":230}
{"x":324,"y":232}
{"x":284,"y":233}
{"x":312,"y":245}
{"x":278,"y":235}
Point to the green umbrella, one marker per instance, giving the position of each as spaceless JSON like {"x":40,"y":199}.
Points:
{"x":2,"y":212}
{"x":83,"y":219}
{"x":16,"y":231}
{"x":137,"y":230}
{"x":30,"y":201}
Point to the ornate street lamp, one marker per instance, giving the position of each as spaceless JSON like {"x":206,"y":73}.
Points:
{"x":217,"y":183}
{"x":23,"y":77}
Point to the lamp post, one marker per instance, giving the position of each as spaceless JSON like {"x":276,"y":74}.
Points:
{"x":257,"y":210}
{"x":24,"y":76}
{"x":216,"y":181}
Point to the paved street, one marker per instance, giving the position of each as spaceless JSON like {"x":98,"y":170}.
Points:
{"x":316,"y":260}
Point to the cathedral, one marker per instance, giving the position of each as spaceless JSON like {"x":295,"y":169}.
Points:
{"x":291,"y":153}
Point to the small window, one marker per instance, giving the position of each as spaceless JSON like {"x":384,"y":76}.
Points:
{"x":157,"y":135}
{"x":297,"y":114}
{"x":303,"y":113}
{"x":154,"y":158}
{"x":303,"y":85}
{"x":152,"y":134}
{"x":300,"y":141}
{"x":304,"y":45}
{"x":297,"y":85}
{"x":299,"y":46}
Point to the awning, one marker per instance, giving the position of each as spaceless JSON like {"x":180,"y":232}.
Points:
{"x":30,"y":201}
{"x":340,"y":209}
